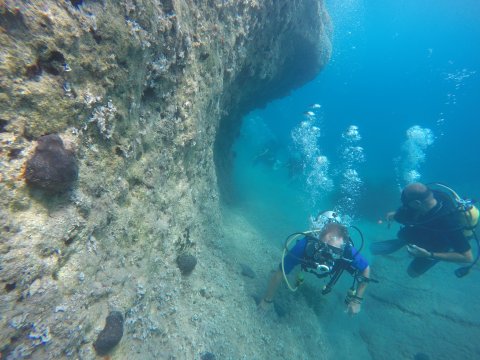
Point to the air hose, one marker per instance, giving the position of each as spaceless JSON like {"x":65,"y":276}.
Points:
{"x":288,"y":241}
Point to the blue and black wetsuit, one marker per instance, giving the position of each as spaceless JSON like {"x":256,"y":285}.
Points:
{"x":296,"y":256}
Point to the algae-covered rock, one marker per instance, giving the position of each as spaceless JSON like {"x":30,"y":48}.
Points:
{"x":151,"y":94}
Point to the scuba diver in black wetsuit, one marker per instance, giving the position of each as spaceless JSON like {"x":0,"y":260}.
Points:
{"x":437,"y":226}
{"x":327,"y":254}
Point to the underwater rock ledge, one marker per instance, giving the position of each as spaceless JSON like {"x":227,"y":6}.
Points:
{"x":150,"y":95}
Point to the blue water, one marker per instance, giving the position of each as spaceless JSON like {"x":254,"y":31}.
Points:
{"x":395,"y":64}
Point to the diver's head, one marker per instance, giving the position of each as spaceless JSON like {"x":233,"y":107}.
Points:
{"x":334,"y":234}
{"x":418,"y":197}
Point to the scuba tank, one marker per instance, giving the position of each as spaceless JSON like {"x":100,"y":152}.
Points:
{"x":468,"y":212}
{"x":468,"y":221}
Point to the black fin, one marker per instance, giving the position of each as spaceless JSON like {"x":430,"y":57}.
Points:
{"x":462,"y":271}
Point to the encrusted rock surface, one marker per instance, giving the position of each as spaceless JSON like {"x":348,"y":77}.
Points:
{"x":150,"y":95}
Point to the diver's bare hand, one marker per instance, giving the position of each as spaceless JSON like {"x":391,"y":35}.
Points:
{"x":353,"y":308}
{"x":417,"y":251}
{"x":390,"y":216}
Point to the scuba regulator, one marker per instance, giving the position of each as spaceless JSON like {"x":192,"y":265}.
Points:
{"x":322,"y":256}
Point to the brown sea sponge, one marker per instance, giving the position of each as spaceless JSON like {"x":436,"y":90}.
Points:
{"x":186,"y":263}
{"x":111,"y":334}
{"x":52,"y":167}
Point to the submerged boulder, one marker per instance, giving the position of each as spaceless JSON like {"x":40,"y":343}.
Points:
{"x":52,"y":167}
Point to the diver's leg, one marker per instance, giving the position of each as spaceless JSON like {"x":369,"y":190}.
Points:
{"x":419,"y":266}
{"x":267,"y":298}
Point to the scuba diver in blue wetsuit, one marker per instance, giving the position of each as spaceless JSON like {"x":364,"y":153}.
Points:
{"x":326,"y":253}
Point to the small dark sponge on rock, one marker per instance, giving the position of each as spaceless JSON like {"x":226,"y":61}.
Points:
{"x":186,"y":263}
{"x":421,"y":356}
{"x":208,"y":356}
{"x":247,"y":271}
{"x":52,"y":167}
{"x":111,"y":334}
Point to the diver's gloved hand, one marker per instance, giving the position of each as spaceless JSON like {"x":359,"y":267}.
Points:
{"x":417,"y":251}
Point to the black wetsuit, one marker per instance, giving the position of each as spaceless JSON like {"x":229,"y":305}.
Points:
{"x":439,"y":230}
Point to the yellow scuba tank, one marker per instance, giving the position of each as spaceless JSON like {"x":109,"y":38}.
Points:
{"x":468,"y":212}
{"x":470,"y":220}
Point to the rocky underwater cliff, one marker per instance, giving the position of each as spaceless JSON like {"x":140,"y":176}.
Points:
{"x":116,"y":122}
